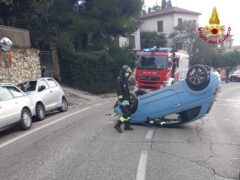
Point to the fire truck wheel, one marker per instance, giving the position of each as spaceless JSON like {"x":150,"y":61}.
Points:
{"x":140,"y":92}
{"x":133,"y":103}
{"x":198,"y":77}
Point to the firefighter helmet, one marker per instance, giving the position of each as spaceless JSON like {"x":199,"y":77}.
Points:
{"x":126,"y":69}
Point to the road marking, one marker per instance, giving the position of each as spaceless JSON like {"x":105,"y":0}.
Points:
{"x":149,"y":134}
{"x":141,"y":172}
{"x":44,"y":126}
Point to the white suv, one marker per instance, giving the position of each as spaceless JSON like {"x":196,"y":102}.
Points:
{"x":15,"y":107}
{"x":46,"y":94}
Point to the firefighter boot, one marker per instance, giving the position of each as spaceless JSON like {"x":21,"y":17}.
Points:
{"x":118,"y":126}
{"x":127,"y":126}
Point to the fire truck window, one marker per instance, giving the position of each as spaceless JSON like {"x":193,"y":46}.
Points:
{"x":152,"y":62}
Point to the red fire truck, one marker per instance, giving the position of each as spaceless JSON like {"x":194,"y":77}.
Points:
{"x":157,"y":68}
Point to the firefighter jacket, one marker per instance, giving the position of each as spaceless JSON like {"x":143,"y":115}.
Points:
{"x":122,"y":88}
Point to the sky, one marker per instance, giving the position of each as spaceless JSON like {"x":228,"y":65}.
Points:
{"x":228,"y":12}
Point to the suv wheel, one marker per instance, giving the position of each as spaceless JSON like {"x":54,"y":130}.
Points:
{"x":40,"y":112}
{"x":64,"y":106}
{"x":26,"y":119}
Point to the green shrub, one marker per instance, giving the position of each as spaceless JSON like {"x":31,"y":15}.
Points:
{"x":93,"y":71}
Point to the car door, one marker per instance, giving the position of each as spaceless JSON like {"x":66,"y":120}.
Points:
{"x":16,"y":104}
{"x":45,"y":94}
{"x":7,"y":106}
{"x":55,"y":92}
{"x":161,"y":103}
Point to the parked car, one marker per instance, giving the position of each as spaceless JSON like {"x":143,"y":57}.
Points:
{"x":235,"y":76}
{"x":179,"y":103}
{"x":46,"y":94}
{"x":15,"y":107}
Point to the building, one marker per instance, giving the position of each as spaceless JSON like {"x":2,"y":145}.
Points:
{"x":132,"y":41}
{"x":165,"y":20}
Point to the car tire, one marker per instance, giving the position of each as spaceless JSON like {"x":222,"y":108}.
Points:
{"x":140,"y":92}
{"x":64,"y":106}
{"x":26,"y":119}
{"x":40,"y":112}
{"x":198,"y":77}
{"x":133,"y":103}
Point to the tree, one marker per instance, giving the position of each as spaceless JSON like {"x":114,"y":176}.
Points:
{"x":169,"y":4}
{"x":109,"y":19}
{"x":151,"y":39}
{"x":164,"y":4}
{"x":15,"y":12}
{"x":156,"y":7}
{"x":184,"y":36}
{"x":202,"y":53}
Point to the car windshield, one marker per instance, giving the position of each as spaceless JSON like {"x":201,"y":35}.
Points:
{"x":28,"y":86}
{"x":152,"y":62}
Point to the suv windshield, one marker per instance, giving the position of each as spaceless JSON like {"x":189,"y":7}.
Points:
{"x":28,"y":86}
{"x":152,"y":62}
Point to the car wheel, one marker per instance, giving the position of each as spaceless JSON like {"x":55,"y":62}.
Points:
{"x":140,"y":92}
{"x":64,"y":106}
{"x":40,"y":112}
{"x":26,"y":119}
{"x":198,"y":77}
{"x":133,"y":103}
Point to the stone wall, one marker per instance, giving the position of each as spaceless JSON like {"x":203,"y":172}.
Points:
{"x":19,"y":37}
{"x":24,"y":65}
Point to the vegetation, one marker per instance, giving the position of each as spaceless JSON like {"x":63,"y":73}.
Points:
{"x":151,"y":39}
{"x":186,"y":37}
{"x":85,"y":33}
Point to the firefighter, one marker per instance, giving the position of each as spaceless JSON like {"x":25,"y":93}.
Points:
{"x":124,"y":99}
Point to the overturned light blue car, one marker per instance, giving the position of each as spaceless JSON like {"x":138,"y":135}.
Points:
{"x":180,"y":103}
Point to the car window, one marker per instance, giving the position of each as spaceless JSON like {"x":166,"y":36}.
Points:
{"x":15,"y":92}
{"x":5,"y":94}
{"x":43,"y":83}
{"x":28,"y":86}
{"x":51,"y":83}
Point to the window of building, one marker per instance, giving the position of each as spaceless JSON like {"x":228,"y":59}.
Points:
{"x":132,"y":41}
{"x":180,"y":21}
{"x":160,"y":26}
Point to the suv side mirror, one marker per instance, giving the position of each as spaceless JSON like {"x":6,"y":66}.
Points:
{"x":41,"y":88}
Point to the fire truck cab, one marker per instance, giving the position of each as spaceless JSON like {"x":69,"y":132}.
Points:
{"x":158,"y":68}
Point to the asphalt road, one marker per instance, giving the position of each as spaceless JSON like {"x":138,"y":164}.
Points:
{"x":81,"y":144}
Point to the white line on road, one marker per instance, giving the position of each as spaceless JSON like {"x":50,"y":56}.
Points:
{"x":141,"y":172}
{"x":44,"y":126}
{"x":149,"y":134}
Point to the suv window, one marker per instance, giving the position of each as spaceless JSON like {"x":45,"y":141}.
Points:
{"x":16,"y":92}
{"x":4,"y":94}
{"x":51,"y":83}
{"x":42,"y":83}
